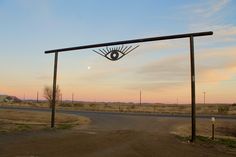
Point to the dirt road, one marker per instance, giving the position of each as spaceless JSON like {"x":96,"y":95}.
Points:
{"x":110,"y":135}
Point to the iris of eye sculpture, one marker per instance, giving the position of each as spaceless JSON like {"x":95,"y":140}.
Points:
{"x":115,"y":53}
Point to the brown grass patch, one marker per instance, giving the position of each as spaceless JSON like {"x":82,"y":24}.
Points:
{"x":12,"y":120}
{"x":221,"y":109}
{"x":223,"y":129}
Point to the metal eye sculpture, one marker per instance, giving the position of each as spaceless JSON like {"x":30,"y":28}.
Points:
{"x":115,"y":53}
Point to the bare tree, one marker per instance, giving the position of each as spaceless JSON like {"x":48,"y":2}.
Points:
{"x":48,"y":94}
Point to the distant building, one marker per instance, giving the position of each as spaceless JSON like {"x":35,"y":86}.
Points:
{"x":7,"y":98}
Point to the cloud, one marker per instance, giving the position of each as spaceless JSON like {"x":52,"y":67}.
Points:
{"x":212,"y":65}
{"x":156,"y":86}
{"x":223,"y":34}
{"x":212,"y":7}
{"x":211,"y":15}
{"x":217,"y":65}
{"x":226,"y":33}
{"x":171,"y":72}
{"x":207,"y":8}
{"x":157,"y":46}
{"x":218,"y":5}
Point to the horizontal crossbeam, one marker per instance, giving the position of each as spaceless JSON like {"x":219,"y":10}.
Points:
{"x":131,"y":41}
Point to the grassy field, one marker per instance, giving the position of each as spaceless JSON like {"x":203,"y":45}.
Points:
{"x":14,"y":121}
{"x":225,"y":133}
{"x":223,"y":129}
{"x":222,"y":109}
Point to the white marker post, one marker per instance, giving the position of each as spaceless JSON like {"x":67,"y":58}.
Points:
{"x":213,"y":127}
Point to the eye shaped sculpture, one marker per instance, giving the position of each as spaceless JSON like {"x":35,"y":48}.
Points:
{"x":115,"y":53}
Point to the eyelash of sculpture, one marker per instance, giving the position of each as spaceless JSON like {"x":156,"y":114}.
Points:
{"x":115,"y":53}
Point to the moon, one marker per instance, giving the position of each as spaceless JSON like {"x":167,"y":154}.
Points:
{"x":89,"y":67}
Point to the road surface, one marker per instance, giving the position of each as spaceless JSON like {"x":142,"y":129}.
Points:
{"x":111,"y":134}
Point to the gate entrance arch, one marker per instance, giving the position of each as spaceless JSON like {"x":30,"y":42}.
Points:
{"x":116,"y":57}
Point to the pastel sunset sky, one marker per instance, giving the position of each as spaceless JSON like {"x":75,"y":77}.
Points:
{"x":160,"y":69}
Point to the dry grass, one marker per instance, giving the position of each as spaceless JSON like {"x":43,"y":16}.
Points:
{"x":223,"y":129}
{"x":12,"y":120}
{"x":225,"y":134}
{"x":222,"y":109}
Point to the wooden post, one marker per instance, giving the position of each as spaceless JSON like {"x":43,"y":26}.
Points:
{"x":54,"y":90}
{"x":213,"y":128}
{"x":193,"y":99}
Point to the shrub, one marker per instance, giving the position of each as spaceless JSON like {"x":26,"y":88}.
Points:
{"x":66,"y":105}
{"x":92,"y":105}
{"x":64,"y":126}
{"x":132,"y":106}
{"x":223,"y":109}
{"x":78,"y":105}
{"x":234,"y":104}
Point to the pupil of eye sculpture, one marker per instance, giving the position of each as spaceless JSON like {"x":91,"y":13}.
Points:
{"x":114,"y":55}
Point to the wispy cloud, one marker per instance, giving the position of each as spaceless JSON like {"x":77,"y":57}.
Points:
{"x":206,"y":9}
{"x":157,"y":46}
{"x":210,"y":15}
{"x":226,"y":33}
{"x":212,"y":65}
{"x":217,"y":64}
{"x":166,"y":69}
{"x":209,"y":8}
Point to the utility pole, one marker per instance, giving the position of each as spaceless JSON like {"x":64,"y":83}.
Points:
{"x":72,"y":98}
{"x":140,"y":97}
{"x":37,"y":96}
{"x":204,"y":97}
{"x":177,"y":100}
{"x":61,"y":98}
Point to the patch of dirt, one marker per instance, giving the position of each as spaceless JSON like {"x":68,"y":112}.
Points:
{"x":92,"y":143}
{"x":116,"y":136}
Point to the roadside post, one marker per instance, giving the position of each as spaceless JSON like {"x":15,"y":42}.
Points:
{"x":213,"y":128}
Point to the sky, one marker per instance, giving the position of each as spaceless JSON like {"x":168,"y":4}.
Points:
{"x":161,"y":69}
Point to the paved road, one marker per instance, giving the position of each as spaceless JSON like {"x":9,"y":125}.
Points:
{"x":111,"y":134}
{"x":134,"y":121}
{"x":93,"y":114}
